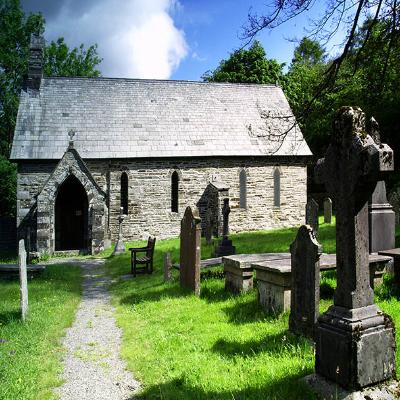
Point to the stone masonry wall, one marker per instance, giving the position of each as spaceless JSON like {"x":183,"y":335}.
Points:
{"x":149,"y":189}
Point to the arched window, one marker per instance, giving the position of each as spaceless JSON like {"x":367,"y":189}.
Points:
{"x":124,"y":193}
{"x":277,"y":188}
{"x":243,"y":189}
{"x":174,"y":191}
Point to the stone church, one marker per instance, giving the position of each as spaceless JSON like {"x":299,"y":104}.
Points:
{"x":90,"y":148}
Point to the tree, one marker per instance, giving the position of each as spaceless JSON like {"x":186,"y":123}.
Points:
{"x":346,"y":15}
{"x":61,"y":61}
{"x":15,"y":32}
{"x":247,"y":66}
{"x":308,"y":52}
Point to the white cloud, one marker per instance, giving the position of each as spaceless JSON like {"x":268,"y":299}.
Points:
{"x":136,"y":38}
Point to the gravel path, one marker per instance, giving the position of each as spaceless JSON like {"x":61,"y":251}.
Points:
{"x":92,"y":366}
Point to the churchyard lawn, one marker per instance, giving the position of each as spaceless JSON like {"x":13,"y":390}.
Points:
{"x":217,"y":346}
{"x":30,"y":353}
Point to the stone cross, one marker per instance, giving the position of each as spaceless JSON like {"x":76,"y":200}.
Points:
{"x":120,"y":245}
{"x":354,"y":339}
{"x":167,"y":267}
{"x":71,"y":134}
{"x":312,"y":215}
{"x":23,"y":279}
{"x":190,"y":251}
{"x":327,"y":210}
{"x":225,"y":215}
{"x":304,"y":303}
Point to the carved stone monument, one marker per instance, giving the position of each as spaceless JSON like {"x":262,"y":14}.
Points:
{"x":382,"y":220}
{"x":327,"y":210}
{"x":167,"y":267}
{"x":23,"y":279}
{"x":120,"y":245}
{"x":225,"y":247}
{"x":355,"y":342}
{"x":190,"y":251}
{"x":304,"y":309}
{"x":312,"y":215}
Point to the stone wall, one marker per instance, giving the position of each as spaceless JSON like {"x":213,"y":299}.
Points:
{"x":149,"y":188}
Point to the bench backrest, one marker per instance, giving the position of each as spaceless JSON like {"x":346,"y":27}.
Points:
{"x":151,"y":242}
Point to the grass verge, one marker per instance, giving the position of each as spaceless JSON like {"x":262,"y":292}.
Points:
{"x":30,"y":353}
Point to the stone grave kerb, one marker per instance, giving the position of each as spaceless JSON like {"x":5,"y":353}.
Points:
{"x":190,"y":251}
{"x":354,"y":340}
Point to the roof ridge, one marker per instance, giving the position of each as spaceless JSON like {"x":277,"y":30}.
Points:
{"x":177,"y":81}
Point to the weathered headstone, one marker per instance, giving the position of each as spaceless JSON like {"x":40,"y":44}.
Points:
{"x":225,"y":247}
{"x":23,"y":279}
{"x":208,"y":229}
{"x":167,"y":267}
{"x":355,"y":342}
{"x":304,"y":308}
{"x":327,"y":210}
{"x":120,"y":245}
{"x":190,"y":251}
{"x":312,"y":215}
{"x":382,"y":220}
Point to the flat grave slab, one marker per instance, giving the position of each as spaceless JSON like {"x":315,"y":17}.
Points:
{"x":274,"y":278}
{"x":239,"y":271}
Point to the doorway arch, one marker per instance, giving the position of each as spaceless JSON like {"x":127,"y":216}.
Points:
{"x":71,"y":216}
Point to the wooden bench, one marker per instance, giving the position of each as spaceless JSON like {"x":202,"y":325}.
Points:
{"x":145,"y":262}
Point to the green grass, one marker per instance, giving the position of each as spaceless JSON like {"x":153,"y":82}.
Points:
{"x":217,"y":346}
{"x":30,"y":353}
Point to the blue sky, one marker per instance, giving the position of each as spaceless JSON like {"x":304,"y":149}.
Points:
{"x":164,"y":39}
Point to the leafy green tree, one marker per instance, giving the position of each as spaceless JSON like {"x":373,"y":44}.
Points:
{"x":61,"y":61}
{"x":15,"y":32}
{"x":247,"y":66}
{"x":309,"y":52}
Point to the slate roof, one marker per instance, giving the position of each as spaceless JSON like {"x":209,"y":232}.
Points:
{"x":129,"y":118}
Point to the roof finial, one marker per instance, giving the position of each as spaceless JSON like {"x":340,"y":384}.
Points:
{"x":71,"y":135}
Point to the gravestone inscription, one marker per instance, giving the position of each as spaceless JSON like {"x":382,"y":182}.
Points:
{"x":190,"y":251}
{"x":23,"y":277}
{"x":304,"y":303}
{"x":355,"y":343}
{"x":312,"y":215}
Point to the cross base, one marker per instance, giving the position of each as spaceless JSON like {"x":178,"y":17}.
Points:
{"x":119,"y":248}
{"x":355,"y":348}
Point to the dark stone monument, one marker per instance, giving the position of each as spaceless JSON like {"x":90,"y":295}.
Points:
{"x":327,"y":210}
{"x":120,"y":245}
{"x":312,"y":215}
{"x":355,"y":342}
{"x":225,"y":247}
{"x":382,"y":220}
{"x":190,"y":251}
{"x":208,"y":231}
{"x":304,"y":302}
{"x":23,"y":279}
{"x":167,"y":267}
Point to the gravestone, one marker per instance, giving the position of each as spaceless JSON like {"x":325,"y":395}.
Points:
{"x":304,"y":303}
{"x":120,"y":245}
{"x":167,"y":267}
{"x":23,"y":279}
{"x":225,"y":247}
{"x":382,"y":220}
{"x":208,"y":229}
{"x":312,"y":215}
{"x":190,"y":251}
{"x":355,"y":342}
{"x":327,"y":210}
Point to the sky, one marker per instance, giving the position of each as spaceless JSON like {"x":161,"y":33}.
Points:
{"x":165,"y":39}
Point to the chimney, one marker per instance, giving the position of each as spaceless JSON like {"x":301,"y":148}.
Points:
{"x":35,"y":70}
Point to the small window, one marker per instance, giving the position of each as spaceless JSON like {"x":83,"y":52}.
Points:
{"x":243,"y":189}
{"x":277,"y":188}
{"x":174,"y":191}
{"x":124,"y":193}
